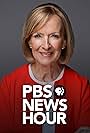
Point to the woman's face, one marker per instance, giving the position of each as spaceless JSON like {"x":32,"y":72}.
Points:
{"x":47,"y":42}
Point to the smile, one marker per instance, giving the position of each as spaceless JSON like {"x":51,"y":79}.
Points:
{"x":46,"y":54}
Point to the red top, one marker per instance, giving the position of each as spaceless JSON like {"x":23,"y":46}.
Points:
{"x":77,"y":94}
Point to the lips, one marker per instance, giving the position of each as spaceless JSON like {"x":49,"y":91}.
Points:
{"x":46,"y":54}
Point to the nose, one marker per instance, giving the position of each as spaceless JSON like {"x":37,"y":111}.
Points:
{"x":46,"y":44}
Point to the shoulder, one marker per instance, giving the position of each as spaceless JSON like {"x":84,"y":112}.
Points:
{"x":74,"y":79}
{"x":17,"y":74}
{"x":73,"y":74}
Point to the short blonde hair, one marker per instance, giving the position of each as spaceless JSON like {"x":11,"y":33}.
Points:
{"x":36,"y":19}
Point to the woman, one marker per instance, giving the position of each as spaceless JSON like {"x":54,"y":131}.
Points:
{"x":48,"y":43}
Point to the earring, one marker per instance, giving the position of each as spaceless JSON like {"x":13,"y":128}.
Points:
{"x":63,"y":48}
{"x":64,"y":45}
{"x":30,"y":46}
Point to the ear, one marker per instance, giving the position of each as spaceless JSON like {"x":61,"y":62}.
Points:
{"x":30,"y":44}
{"x":64,"y":44}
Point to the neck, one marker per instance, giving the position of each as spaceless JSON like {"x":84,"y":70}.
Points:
{"x":46,"y":73}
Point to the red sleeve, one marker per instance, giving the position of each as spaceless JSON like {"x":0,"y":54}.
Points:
{"x":84,"y":120}
{"x":5,"y":112}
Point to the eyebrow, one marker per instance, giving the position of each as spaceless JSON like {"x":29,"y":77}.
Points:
{"x":43,"y":33}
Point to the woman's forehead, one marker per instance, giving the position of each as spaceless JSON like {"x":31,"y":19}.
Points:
{"x":54,"y":24}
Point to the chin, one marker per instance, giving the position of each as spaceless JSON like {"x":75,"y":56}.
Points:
{"x":46,"y":63}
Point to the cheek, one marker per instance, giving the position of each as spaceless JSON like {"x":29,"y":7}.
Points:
{"x":35,"y":45}
{"x":57,"y":46}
